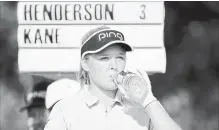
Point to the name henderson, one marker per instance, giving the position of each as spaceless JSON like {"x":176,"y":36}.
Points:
{"x":71,"y":12}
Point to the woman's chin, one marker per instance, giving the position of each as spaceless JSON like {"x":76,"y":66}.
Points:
{"x":111,"y":87}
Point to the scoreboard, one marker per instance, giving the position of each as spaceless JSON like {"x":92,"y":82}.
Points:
{"x":49,"y":33}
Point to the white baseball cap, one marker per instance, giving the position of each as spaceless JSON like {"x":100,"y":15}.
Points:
{"x":60,"y":89}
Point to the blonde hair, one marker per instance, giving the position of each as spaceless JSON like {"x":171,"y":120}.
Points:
{"x":83,"y":75}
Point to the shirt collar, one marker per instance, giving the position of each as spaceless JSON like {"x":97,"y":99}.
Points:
{"x":91,"y":100}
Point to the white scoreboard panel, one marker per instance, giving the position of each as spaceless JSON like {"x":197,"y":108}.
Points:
{"x":49,"y":33}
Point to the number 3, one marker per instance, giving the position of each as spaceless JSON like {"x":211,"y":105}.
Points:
{"x":143,"y":16}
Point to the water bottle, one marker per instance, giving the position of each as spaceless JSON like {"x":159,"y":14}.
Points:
{"x":134,"y":85}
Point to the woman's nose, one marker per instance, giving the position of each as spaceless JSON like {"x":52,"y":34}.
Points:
{"x":113,"y":64}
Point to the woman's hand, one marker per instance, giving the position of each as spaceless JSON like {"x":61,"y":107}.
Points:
{"x":138,"y":93}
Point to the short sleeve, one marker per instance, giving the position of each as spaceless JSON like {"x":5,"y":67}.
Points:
{"x":56,"y":120}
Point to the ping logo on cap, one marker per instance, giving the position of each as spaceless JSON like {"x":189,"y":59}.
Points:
{"x":39,"y":94}
{"x":110,"y":34}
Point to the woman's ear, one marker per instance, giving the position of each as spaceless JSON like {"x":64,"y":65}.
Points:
{"x":84,"y":64}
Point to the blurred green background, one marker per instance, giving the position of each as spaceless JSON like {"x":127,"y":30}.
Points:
{"x":188,"y":90}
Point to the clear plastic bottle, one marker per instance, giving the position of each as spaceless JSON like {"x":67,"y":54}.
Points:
{"x":134,"y":85}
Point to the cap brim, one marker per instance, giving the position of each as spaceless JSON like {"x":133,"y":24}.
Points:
{"x":126,"y":46}
{"x":30,"y":106}
{"x":23,"y":108}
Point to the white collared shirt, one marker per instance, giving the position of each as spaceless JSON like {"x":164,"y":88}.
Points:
{"x":83,"y":111}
